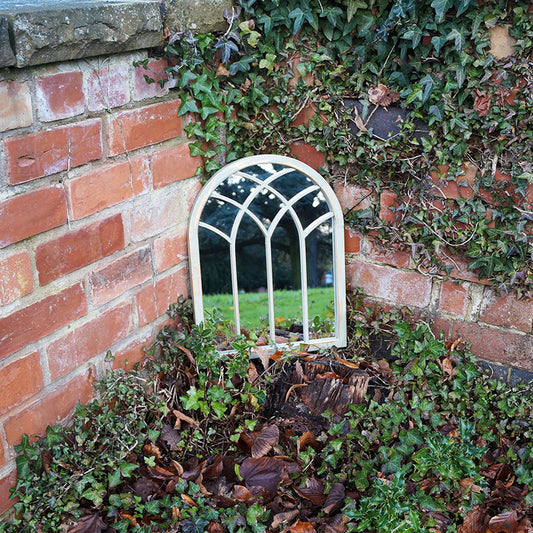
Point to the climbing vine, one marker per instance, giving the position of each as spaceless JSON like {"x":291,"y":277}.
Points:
{"x":316,"y":71}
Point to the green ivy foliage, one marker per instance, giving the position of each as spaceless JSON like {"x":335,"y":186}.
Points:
{"x":249,"y":88}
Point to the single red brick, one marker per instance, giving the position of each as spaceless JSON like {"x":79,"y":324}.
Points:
{"x":397,"y":286}
{"x":140,"y":168}
{"x":306,"y":114}
{"x":79,"y":248}
{"x":60,"y":95}
{"x":308,"y":154}
{"x":154,"y":300}
{"x":173,"y":164}
{"x":7,"y":483}
{"x":121,"y":275}
{"x":47,"y":152}
{"x":20,"y":380}
{"x":53,"y":408}
{"x":16,"y":278}
{"x":169,"y":250}
{"x":352,"y":197}
{"x":89,"y":340}
{"x":154,"y":71}
{"x":134,"y":353}
{"x":388,"y":253}
{"x":494,"y":344}
{"x":144,"y":126}
{"x":438,"y":325}
{"x":107,"y":87}
{"x":105,"y":187}
{"x":460,"y":187}
{"x":32,"y":213}
{"x":388,"y":200}
{"x":41,"y":318}
{"x":155,"y":213}
{"x":459,"y":267}
{"x":352,"y":241}
{"x":15,"y":105}
{"x":454,"y":298}
{"x":506,"y":311}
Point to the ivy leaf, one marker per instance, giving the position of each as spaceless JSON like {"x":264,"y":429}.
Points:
{"x":435,"y":111}
{"x":353,"y":6}
{"x":458,"y":37}
{"x":428,"y":83}
{"x":463,"y":6}
{"x":441,"y":7}
{"x":206,"y":111}
{"x":242,"y":65}
{"x":300,"y":17}
{"x":188,"y":106}
{"x":113,"y":479}
{"x":266,"y":21}
{"x":186,"y":77}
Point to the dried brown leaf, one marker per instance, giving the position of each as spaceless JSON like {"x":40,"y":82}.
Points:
{"x":265,"y":472}
{"x":184,"y":418}
{"x":359,"y":121}
{"x":335,"y":499}
{"x":88,"y":524}
{"x":475,"y":521}
{"x":301,"y":527}
{"x":504,"y":523}
{"x":188,"y":500}
{"x":313,"y":490}
{"x":381,"y":95}
{"x":305,"y":440}
{"x":151,"y":450}
{"x":241,"y":493}
{"x":281,"y":518}
{"x":265,"y":441}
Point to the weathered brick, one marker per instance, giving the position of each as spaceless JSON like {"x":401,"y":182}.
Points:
{"x":308,"y":154}
{"x":439,"y":324}
{"x":20,"y":380}
{"x":155,"y":71}
{"x":352,"y":197}
{"x":388,"y":253}
{"x":2,"y":463}
{"x":59,"y":95}
{"x":79,"y":248}
{"x":15,"y":105}
{"x":107,"y":87}
{"x":89,"y":340}
{"x":56,"y":406}
{"x":494,"y":344}
{"x":306,"y":114}
{"x":47,"y":152}
{"x":123,"y":274}
{"x":397,"y":286}
{"x":16,"y":278}
{"x":28,"y":214}
{"x":459,"y":267}
{"x":5,"y":484}
{"x":388,"y":201}
{"x":155,"y":213}
{"x":352,"y":241}
{"x":154,"y":300}
{"x":105,"y":187}
{"x":136,"y":128}
{"x":173,"y":164}
{"x":134,"y":353}
{"x":169,"y":250}
{"x":41,"y":318}
{"x":454,"y":298}
{"x":506,"y":311}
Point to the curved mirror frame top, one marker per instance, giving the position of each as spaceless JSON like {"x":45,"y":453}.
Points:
{"x":269,"y":197}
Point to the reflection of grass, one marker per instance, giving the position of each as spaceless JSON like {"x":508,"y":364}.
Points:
{"x":287,"y":305}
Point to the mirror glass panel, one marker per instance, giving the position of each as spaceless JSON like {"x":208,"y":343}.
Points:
{"x":266,"y":252}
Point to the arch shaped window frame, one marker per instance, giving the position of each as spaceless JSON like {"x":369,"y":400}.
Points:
{"x":334,"y":214}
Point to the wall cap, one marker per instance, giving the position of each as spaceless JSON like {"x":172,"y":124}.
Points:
{"x":33,"y":32}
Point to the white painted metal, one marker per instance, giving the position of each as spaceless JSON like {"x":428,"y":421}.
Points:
{"x":238,"y":169}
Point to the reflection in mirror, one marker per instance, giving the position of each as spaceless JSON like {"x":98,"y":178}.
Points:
{"x":266,"y":250}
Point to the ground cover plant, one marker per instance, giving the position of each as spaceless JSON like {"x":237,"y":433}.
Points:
{"x":200,"y":441}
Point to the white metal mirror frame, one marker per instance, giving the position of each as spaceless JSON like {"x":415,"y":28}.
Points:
{"x":237,"y":168}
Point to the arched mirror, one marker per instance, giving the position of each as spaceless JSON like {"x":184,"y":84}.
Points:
{"x":267,"y":250}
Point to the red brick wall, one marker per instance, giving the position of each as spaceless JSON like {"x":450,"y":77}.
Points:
{"x":499,"y":327}
{"x":96,"y":183}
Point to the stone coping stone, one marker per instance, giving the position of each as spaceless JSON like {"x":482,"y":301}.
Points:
{"x":36,"y":32}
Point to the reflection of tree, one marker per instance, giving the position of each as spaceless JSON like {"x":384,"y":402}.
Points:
{"x":250,"y":240}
